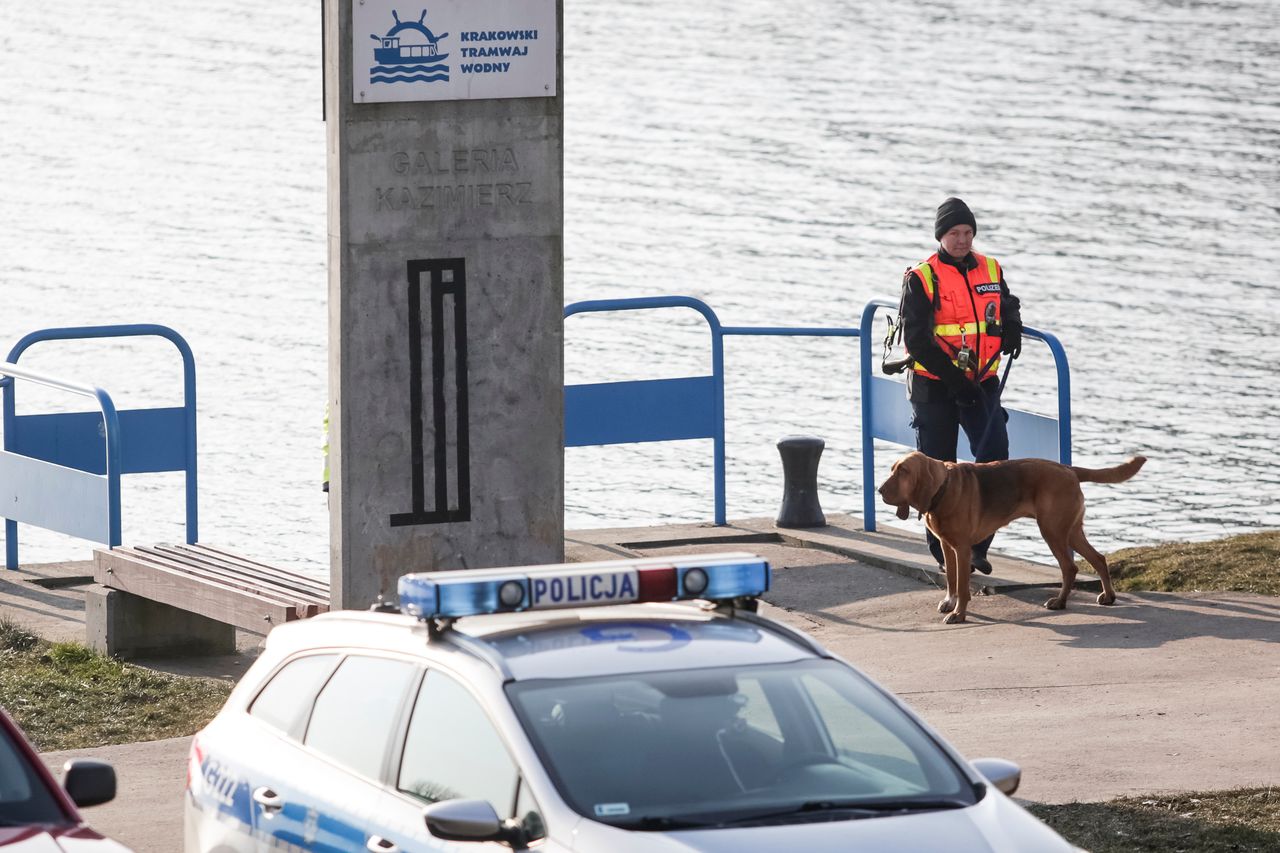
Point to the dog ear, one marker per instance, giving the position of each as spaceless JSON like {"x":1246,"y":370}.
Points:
{"x":927,"y":476}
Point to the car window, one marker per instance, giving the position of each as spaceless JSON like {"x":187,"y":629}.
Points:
{"x":452,"y":750}
{"x":755,"y":710}
{"x":286,"y":700}
{"x":726,"y":743}
{"x":24,"y":799}
{"x":356,"y":712}
{"x":860,"y":737}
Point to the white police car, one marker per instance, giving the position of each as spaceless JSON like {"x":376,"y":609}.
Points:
{"x":502,"y":711}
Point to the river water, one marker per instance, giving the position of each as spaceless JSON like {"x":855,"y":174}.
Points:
{"x":165,"y":163}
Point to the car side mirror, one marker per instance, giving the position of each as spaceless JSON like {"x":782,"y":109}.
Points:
{"x":471,"y":820}
{"x":89,"y":782}
{"x":1004,"y":775}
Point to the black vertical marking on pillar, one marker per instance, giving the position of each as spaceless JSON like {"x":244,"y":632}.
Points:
{"x":463,"y":431}
{"x":437,"y":395}
{"x":415,"y":390}
{"x":447,"y":278}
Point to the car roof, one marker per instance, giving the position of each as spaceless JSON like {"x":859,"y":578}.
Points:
{"x":573,"y":643}
{"x":639,"y":638}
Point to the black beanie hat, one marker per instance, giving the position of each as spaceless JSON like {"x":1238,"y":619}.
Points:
{"x":951,"y":213}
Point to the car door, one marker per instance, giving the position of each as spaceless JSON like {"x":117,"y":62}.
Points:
{"x":320,"y":795}
{"x":451,"y":750}
{"x":231,"y":756}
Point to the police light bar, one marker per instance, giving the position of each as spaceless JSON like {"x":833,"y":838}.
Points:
{"x":713,"y":577}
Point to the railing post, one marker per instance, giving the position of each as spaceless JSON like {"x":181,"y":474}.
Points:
{"x":1064,"y":394}
{"x":868,"y":440}
{"x":717,"y":369}
{"x":189,"y":406}
{"x":111,"y":428}
{"x":9,"y":389}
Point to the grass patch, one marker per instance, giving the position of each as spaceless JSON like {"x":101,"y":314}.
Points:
{"x":1249,"y":562}
{"x":1246,"y":819}
{"x":67,"y":696}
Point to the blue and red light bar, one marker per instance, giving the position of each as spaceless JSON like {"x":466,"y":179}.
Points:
{"x":712,"y":577}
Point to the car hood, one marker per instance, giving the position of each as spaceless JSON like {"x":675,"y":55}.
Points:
{"x":44,"y":839}
{"x":994,"y":825}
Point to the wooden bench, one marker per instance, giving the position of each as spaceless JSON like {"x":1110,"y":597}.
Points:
{"x":190,"y":599}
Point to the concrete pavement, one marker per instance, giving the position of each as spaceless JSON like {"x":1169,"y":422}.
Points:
{"x":146,"y":814}
{"x":1159,"y":692}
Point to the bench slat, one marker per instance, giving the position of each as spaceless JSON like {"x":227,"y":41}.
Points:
{"x":148,"y":578}
{"x":199,"y":573}
{"x":252,"y":578}
{"x":319,"y":585}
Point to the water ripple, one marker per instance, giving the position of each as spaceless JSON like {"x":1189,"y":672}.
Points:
{"x":1119,"y":154}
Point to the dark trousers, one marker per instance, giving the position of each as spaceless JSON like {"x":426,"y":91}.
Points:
{"x":937,"y":424}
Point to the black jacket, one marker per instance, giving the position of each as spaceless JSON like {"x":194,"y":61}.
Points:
{"x":917,"y":333}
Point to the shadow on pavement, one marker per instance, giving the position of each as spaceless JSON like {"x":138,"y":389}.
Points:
{"x":1151,"y":619}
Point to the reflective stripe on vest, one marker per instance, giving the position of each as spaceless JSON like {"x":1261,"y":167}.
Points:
{"x":926,"y":276}
{"x":959,"y":310}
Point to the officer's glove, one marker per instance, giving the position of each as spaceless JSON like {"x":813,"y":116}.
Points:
{"x":1011,"y":339}
{"x":964,"y":392}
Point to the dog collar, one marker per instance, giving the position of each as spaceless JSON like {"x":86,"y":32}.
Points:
{"x":937,"y":499}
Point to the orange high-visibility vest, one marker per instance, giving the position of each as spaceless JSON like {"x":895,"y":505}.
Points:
{"x":960,"y":301}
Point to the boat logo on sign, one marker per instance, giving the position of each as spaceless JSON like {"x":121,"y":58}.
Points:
{"x":409,"y":53}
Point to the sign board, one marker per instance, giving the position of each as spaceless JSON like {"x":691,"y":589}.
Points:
{"x":451,"y":50}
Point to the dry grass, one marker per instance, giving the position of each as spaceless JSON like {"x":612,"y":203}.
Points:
{"x":66,"y":696}
{"x":1247,"y":819}
{"x":1249,"y":562}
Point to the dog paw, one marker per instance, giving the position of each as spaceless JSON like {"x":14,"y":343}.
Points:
{"x":1056,"y":603}
{"x":1103,"y":598}
{"x":953,"y":619}
{"x":946,"y":605}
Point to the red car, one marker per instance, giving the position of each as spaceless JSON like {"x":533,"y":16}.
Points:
{"x":37,"y":815}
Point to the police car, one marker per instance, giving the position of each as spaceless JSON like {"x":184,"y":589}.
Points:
{"x":638,"y":705}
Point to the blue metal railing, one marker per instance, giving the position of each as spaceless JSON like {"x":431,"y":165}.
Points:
{"x":665,"y":409}
{"x":693,"y":407}
{"x":62,"y":470}
{"x":886,"y":414}
{"x":64,"y":499}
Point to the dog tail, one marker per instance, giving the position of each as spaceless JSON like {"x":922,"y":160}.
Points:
{"x":1118,"y":474}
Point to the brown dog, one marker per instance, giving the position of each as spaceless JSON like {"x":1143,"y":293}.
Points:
{"x":964,"y":503}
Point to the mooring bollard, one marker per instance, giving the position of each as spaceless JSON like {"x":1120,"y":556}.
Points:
{"x":800,"y":507}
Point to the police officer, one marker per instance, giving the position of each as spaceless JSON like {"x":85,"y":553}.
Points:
{"x":958,"y":318}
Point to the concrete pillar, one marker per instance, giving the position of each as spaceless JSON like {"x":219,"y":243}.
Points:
{"x":445,"y":288}
{"x":125,"y":625}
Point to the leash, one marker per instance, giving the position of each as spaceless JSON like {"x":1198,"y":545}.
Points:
{"x":992,"y":411}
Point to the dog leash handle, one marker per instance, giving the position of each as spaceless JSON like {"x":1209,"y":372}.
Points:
{"x":991,"y":410}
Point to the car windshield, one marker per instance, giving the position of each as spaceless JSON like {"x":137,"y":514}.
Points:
{"x":24,"y":799}
{"x":795,"y":741}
